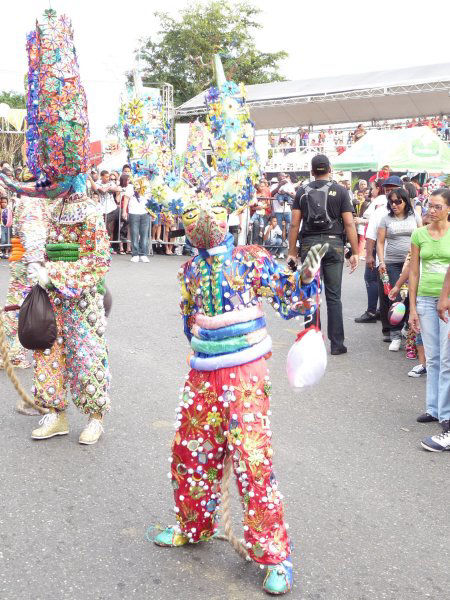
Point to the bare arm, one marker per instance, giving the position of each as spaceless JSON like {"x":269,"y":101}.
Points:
{"x":381,"y":238}
{"x":443,"y":306}
{"x":370,"y":260}
{"x":352,"y":237}
{"x":296,"y":219}
{"x":413,"y":285}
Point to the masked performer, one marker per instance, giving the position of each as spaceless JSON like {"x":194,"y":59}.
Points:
{"x":224,"y":408}
{"x":75,"y":259}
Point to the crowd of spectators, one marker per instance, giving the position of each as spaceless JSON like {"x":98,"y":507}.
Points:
{"x":335,"y":141}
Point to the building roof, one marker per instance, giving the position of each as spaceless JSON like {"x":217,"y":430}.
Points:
{"x":411,"y":92}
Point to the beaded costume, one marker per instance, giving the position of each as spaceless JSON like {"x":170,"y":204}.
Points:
{"x":73,"y":254}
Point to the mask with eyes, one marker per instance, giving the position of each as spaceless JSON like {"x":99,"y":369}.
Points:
{"x":205,"y":224}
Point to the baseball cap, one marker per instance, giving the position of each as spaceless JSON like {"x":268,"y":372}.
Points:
{"x":393,"y":180}
{"x":320,"y":164}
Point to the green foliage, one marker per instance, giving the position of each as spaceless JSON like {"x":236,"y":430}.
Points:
{"x":12,"y":99}
{"x":183,"y":51}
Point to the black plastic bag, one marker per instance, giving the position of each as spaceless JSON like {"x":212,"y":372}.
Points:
{"x":37,"y":324}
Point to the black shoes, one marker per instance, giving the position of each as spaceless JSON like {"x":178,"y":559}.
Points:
{"x":366,"y":317}
{"x":341,"y":350}
{"x":387,"y":338}
{"x":425,"y":418}
{"x":377,"y":315}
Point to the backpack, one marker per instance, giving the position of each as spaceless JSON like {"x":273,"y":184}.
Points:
{"x":318,"y":218}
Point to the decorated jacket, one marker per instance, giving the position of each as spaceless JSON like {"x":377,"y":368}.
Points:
{"x":221,"y":304}
{"x":76,"y":223}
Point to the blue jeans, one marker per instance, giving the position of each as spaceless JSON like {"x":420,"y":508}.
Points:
{"x":274,"y":246}
{"x":370,"y":278}
{"x":256,"y":229}
{"x":4,"y":239}
{"x":437,"y":351}
{"x":139,"y":227}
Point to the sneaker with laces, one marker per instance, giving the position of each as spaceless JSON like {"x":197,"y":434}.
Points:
{"x":366,"y":317}
{"x":417,"y":371}
{"x":395,"y":345}
{"x":144,"y":259}
{"x":279,"y":578}
{"x":55,"y":423}
{"x":437,"y":443}
{"x":134,"y":259}
{"x":92,"y":432}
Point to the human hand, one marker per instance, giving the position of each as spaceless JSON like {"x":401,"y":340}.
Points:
{"x":311,"y":264}
{"x":292,"y":261}
{"x":37,"y":273}
{"x":353,"y":262}
{"x":370,"y":262}
{"x":393,"y":293}
{"x":414,"y":321}
{"x":443,"y":306}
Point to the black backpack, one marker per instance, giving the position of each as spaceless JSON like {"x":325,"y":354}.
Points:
{"x":318,"y":218}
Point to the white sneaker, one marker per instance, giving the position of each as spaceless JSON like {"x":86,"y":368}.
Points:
{"x":144,"y":259}
{"x":417,"y":371}
{"x":92,"y":432}
{"x":395,"y":345}
{"x":135,"y":259}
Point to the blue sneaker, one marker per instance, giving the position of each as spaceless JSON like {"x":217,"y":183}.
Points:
{"x":279,"y":578}
{"x":170,"y":538}
{"x":437,"y":443}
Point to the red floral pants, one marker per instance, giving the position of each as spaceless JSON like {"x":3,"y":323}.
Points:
{"x":221,"y":413}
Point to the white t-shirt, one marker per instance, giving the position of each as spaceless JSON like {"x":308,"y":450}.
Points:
{"x":374,"y":223}
{"x":283,"y":207}
{"x":106,"y":198}
{"x":136,"y":206}
{"x":274,"y":234}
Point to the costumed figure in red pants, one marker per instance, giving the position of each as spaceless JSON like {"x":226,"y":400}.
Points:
{"x":224,"y":408}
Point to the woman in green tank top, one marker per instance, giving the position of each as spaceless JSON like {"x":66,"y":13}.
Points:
{"x":430,"y":259}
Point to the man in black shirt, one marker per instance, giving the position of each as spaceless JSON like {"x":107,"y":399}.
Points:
{"x":325,"y":217}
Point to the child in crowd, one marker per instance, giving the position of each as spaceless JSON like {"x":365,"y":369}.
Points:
{"x":273,"y":239}
{"x":6,"y":221}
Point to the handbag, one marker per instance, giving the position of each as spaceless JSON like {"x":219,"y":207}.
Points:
{"x":37,"y":324}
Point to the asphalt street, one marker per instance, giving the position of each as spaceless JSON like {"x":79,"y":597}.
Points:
{"x":368,"y":509}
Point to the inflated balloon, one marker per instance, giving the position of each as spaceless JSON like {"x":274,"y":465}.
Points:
{"x":307,"y":359}
{"x":396,"y":313}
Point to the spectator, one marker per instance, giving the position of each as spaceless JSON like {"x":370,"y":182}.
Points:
{"x":361,"y":207}
{"x":430,"y":260}
{"x":378,"y":200}
{"x":272,"y":236}
{"x":107,"y":191}
{"x":324,"y":209}
{"x":126,"y":170}
{"x":259,"y":219}
{"x":359,"y":133}
{"x":138,"y":219}
{"x":283,"y":194}
{"x":393,"y":243}
{"x":6,"y":222}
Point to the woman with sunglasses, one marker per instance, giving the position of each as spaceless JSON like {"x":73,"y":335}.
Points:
{"x":393,"y":244}
{"x":430,"y":259}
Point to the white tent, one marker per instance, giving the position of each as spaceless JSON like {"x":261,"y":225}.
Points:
{"x":413,"y":92}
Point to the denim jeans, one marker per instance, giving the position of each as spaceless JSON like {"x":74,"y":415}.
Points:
{"x":275,"y":245}
{"x":4,"y":237}
{"x":370,"y":278}
{"x":394,"y":270}
{"x":437,"y":351}
{"x":331,"y":273}
{"x":256,"y":229}
{"x":139,"y":227}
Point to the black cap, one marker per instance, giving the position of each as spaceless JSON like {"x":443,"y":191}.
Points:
{"x":320,"y":164}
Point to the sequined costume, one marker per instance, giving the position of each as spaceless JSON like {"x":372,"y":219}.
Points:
{"x":28,"y":232}
{"x":225,"y":402}
{"x":79,"y":356}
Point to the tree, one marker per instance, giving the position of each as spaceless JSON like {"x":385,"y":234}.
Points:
{"x":182,"y":53}
{"x":12,"y":99}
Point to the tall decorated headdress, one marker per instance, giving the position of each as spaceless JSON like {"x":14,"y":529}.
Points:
{"x":58,"y":129}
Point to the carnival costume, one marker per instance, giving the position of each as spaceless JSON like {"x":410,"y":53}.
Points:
{"x":224,"y":410}
{"x":74,"y":257}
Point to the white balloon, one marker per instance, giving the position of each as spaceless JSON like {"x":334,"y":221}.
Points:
{"x":306,"y":360}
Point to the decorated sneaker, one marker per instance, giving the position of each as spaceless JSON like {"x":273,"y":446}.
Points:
{"x":170,"y":538}
{"x":437,"y":443}
{"x":411,"y":354}
{"x":55,"y":423}
{"x":417,"y":371}
{"x":279,"y":578}
{"x":92,"y":432}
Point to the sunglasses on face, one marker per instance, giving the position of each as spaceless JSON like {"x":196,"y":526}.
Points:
{"x":396,"y":202}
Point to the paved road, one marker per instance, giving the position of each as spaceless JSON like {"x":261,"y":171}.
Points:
{"x":368,"y":509}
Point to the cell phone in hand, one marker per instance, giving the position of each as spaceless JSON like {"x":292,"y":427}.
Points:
{"x":292,"y":265}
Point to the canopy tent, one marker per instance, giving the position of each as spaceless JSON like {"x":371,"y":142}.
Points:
{"x":414,"y":149}
{"x":412,"y":92}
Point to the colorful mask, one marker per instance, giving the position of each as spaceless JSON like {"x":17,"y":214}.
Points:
{"x":205,"y":224}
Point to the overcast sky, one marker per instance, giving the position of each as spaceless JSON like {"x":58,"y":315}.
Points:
{"x":351,"y":36}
